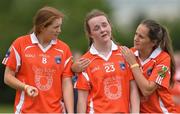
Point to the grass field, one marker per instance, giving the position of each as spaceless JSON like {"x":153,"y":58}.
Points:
{"x":6,"y":108}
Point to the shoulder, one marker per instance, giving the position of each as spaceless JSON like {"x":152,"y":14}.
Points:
{"x":22,"y":40}
{"x":163,"y":55}
{"x":89,"y":56}
{"x":163,"y":58}
{"x":133,"y":49}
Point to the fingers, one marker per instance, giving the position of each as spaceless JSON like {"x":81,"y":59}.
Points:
{"x":84,"y":63}
{"x":32,"y":91}
{"x":125,"y":49}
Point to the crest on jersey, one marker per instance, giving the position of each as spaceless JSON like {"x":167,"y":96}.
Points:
{"x":57,"y":59}
{"x":113,"y":87}
{"x":122,"y":65}
{"x":149,"y":71}
{"x":162,"y":71}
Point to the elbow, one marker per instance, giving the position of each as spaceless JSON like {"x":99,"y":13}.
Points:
{"x":9,"y":76}
{"x":5,"y":80}
{"x":147,"y":92}
{"x":148,"y":89}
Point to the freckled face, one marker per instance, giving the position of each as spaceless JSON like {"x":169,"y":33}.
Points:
{"x":100,"y":29}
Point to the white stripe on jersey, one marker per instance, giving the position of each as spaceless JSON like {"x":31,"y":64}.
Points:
{"x":91,"y":107}
{"x":59,"y":50}
{"x":159,"y":80}
{"x":5,"y":60}
{"x":20,"y":104}
{"x":28,"y":47}
{"x":66,"y":62}
{"x":18,"y":59}
{"x":85,"y":75}
{"x":163,"y":108}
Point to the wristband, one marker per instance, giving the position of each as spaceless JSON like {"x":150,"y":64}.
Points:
{"x":25,"y":87}
{"x":134,"y":65}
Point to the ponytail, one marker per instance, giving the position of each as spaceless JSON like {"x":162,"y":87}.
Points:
{"x":166,"y":45}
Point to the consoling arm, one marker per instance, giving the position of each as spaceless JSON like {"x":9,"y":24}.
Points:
{"x":147,"y":87}
{"x":80,"y":65}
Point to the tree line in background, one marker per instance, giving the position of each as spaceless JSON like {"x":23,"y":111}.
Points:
{"x":16,"y":20}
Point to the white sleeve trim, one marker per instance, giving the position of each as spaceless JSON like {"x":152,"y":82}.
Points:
{"x":18,"y":59}
{"x":67,"y":61}
{"x":85,"y":75}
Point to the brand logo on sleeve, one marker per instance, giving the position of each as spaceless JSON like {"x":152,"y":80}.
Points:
{"x":162,"y":71}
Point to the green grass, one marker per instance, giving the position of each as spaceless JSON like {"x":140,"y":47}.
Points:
{"x":6,"y":108}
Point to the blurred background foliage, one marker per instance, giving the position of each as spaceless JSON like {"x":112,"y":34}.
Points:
{"x":16,"y":18}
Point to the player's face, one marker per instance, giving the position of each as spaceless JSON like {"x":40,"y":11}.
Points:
{"x":141,"y":40}
{"x":52,"y":31}
{"x":100,"y":29}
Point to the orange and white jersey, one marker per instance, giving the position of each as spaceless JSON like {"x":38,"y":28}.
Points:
{"x":108,"y":81}
{"x":156,"y":68}
{"x":42,"y":68}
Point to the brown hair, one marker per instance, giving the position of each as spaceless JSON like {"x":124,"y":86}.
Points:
{"x":44,"y":17}
{"x":90,"y":15}
{"x":160,"y":36}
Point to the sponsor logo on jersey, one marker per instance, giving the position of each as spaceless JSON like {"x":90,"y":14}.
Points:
{"x":30,"y":55}
{"x":95,"y":69}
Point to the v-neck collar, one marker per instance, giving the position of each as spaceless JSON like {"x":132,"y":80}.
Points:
{"x":153,"y":55}
{"x":94,"y":51}
{"x":34,"y":40}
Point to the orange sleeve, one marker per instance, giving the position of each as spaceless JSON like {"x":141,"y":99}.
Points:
{"x":83,"y":81}
{"x":13,"y":57}
{"x":176,"y":89}
{"x":67,"y":64}
{"x":129,"y":72}
{"x":161,"y":72}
